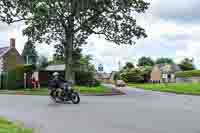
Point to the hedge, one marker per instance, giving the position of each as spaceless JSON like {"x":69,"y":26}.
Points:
{"x":134,"y":76}
{"x":86,"y":79}
{"x":14,"y":79}
{"x":193,"y":73}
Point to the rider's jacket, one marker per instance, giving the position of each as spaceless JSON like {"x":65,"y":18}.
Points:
{"x":56,"y":83}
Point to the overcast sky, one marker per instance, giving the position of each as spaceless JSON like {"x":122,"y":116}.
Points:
{"x":173,"y":28}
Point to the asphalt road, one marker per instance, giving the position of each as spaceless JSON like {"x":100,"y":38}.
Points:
{"x":138,"y":112}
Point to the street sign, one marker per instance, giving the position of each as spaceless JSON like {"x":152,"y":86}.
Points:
{"x":100,"y":68}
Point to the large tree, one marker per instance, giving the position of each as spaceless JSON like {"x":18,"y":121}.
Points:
{"x":79,"y":60}
{"x":129,"y":65}
{"x":164,"y":61}
{"x":29,"y":53}
{"x":42,"y":62}
{"x":71,"y":22}
{"x":59,"y":55}
{"x":187,"y":64}
{"x":145,"y":61}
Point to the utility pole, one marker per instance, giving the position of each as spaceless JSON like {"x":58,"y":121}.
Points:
{"x":119,"y":65}
{"x":100,"y":68}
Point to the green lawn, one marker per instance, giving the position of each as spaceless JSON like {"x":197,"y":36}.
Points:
{"x":45,"y":91}
{"x":179,"y":88}
{"x":98,"y":89}
{"x":10,"y":127}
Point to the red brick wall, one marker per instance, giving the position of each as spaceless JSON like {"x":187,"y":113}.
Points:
{"x":44,"y":78}
{"x":156,"y":74}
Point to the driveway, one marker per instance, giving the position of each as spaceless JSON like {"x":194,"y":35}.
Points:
{"x":138,"y":112}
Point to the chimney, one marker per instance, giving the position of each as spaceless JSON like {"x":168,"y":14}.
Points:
{"x":12,"y":43}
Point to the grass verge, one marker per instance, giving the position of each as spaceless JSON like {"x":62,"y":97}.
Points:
{"x":10,"y":127}
{"x":178,"y":88}
{"x":98,"y":89}
{"x":45,"y":91}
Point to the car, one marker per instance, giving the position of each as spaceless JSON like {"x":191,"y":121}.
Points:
{"x":120,"y":83}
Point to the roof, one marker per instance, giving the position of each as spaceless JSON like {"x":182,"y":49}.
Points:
{"x":60,"y":67}
{"x":168,"y":68}
{"x":4,"y":50}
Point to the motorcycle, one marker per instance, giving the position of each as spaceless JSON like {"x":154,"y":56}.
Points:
{"x":65,"y":94}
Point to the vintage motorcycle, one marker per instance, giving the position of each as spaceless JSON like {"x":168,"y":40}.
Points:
{"x":64,"y":94}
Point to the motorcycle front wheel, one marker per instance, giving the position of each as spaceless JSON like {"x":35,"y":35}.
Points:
{"x":75,"y":98}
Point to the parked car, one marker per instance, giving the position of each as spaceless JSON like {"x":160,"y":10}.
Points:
{"x":120,"y":83}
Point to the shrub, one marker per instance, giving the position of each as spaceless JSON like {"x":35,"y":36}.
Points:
{"x":28,"y":68}
{"x":193,"y":73}
{"x":18,"y":75}
{"x":96,"y":83}
{"x":14,"y":78}
{"x":9,"y":80}
{"x":117,"y":76}
{"x":85,"y":79}
{"x":133,"y":75}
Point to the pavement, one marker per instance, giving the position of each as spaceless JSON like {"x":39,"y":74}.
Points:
{"x":137,"y":112}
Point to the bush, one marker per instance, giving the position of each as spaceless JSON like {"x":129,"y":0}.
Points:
{"x":193,"y":73}
{"x":14,"y":79}
{"x":117,"y":76}
{"x":86,"y":79}
{"x":133,"y":75}
{"x":28,"y":68}
{"x":96,"y":83}
{"x":18,"y":74}
{"x":9,"y":80}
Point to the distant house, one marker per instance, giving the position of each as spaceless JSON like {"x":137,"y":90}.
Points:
{"x":106,"y":77}
{"x":164,"y":73}
{"x":9,"y":57}
{"x":103,"y":76}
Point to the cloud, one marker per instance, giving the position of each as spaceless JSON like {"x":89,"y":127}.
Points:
{"x":3,"y":27}
{"x":176,"y":10}
{"x":110,"y":54}
{"x":192,"y":51}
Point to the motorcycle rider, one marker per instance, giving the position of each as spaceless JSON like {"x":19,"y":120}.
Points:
{"x":56,"y":83}
{"x":61,"y":90}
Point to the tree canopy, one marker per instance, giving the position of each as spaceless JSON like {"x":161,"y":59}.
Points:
{"x":164,"y":61}
{"x":29,"y":53}
{"x":71,"y":22}
{"x":42,"y":62}
{"x":187,"y":64}
{"x":59,"y":55}
{"x":145,"y":61}
{"x":129,"y":65}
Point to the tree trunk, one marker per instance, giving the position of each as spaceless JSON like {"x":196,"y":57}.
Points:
{"x":68,"y":58}
{"x":68,"y":51}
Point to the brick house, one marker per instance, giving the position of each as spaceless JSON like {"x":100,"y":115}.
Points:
{"x":9,"y":58}
{"x":164,"y":73}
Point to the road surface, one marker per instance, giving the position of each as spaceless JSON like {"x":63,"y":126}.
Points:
{"x":138,"y":112}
